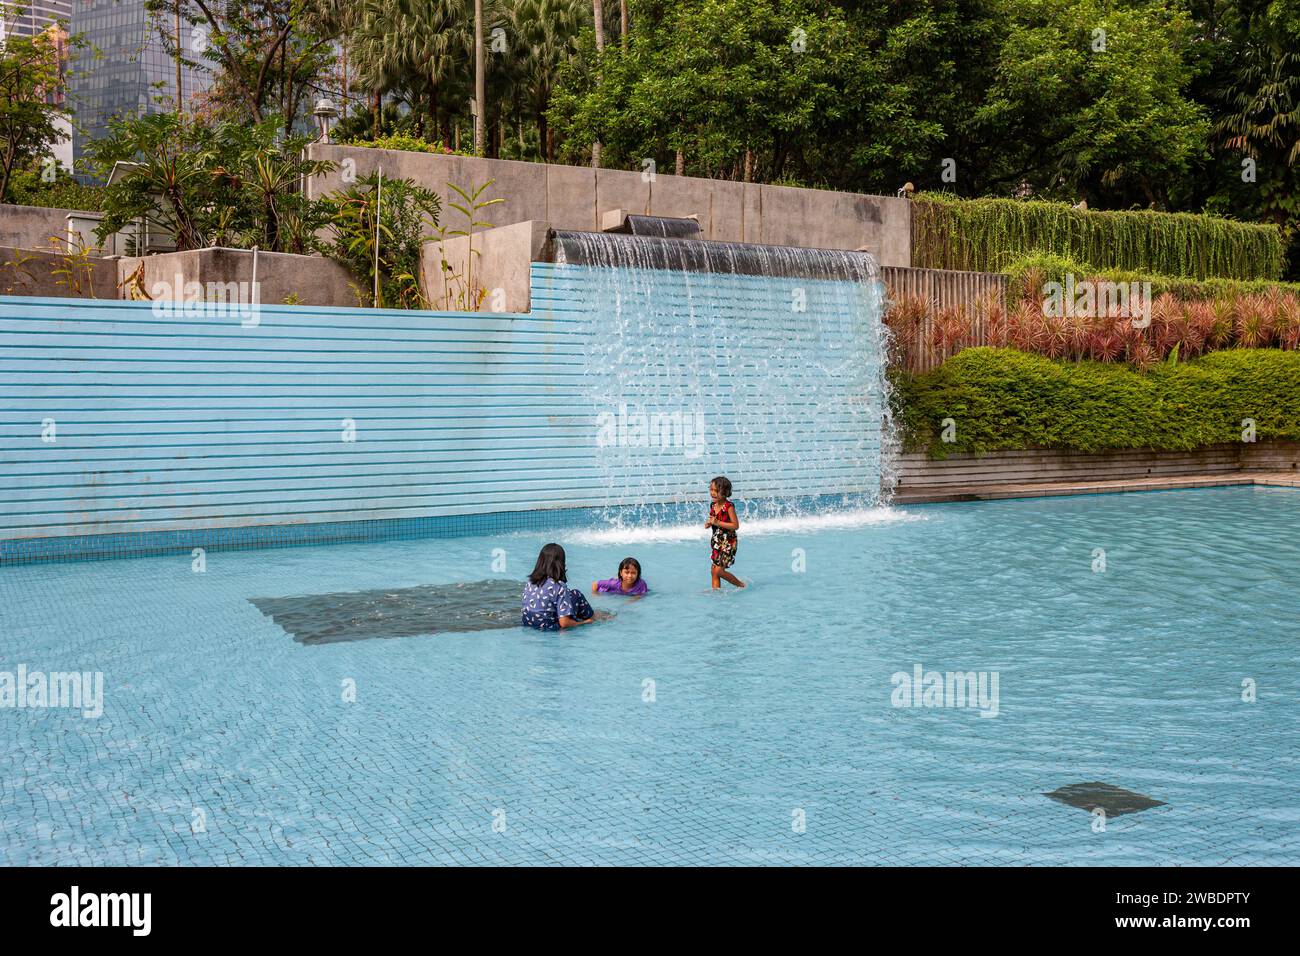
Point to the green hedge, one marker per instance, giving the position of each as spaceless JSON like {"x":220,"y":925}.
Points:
{"x":1003,"y":399}
{"x":1054,"y":269}
{"x":988,"y":234}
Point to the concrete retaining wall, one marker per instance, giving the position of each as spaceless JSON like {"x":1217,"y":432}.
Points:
{"x":30,"y":227}
{"x":315,"y":280}
{"x":33,"y":272}
{"x":575,"y":197}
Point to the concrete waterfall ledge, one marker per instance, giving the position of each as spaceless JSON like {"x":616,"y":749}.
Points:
{"x":1043,"y":472}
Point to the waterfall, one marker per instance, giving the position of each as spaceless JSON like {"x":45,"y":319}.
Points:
{"x":763,"y":363}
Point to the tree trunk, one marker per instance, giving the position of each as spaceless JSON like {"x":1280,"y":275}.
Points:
{"x":598,"y":13}
{"x":480,"y":79}
{"x":680,"y":167}
{"x":622,"y":22}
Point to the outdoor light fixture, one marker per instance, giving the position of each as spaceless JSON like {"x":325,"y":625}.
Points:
{"x":325,"y":113}
{"x":906,"y":190}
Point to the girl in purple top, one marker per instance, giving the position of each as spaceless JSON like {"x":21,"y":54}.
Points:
{"x":628,"y":581}
{"x":549,"y":603}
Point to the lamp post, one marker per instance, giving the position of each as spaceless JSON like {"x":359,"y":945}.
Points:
{"x":325,"y":114}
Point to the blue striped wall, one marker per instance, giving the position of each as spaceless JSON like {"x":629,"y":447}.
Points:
{"x":166,"y":423}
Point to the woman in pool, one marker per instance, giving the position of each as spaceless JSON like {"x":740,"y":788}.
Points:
{"x":549,"y":603}
{"x":627,"y":582}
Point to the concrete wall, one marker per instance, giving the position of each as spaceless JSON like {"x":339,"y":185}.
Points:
{"x":32,"y":272}
{"x":502,"y":264}
{"x":315,"y":280}
{"x":30,"y":227}
{"x":574,"y":197}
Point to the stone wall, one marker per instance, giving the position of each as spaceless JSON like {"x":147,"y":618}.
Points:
{"x":575,"y":197}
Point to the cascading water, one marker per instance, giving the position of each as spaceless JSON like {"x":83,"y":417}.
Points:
{"x":764,"y":363}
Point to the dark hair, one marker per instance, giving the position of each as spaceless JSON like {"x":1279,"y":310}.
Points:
{"x":550,"y":564}
{"x":724,"y":485}
{"x":632,"y":563}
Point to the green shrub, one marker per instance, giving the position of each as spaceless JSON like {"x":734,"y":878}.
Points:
{"x":408,"y":214}
{"x":1003,"y":399}
{"x":28,"y":189}
{"x":988,"y":234}
{"x":410,"y":144}
{"x":1053,"y":268}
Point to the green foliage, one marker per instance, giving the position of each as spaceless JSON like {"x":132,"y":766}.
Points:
{"x":1088,"y":99}
{"x":29,"y":188}
{"x":989,"y":234}
{"x":743,"y":88}
{"x":1045,"y":267}
{"x":405,"y":142}
{"x":459,"y":290}
{"x":29,"y":71}
{"x":407,"y":215}
{"x":1003,"y":399}
{"x":265,"y":59}
{"x":231,"y":184}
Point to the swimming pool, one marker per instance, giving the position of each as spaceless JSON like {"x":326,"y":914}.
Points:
{"x":746,"y":727}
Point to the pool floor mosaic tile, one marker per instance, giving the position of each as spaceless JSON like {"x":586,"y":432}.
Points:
{"x":756,"y":727}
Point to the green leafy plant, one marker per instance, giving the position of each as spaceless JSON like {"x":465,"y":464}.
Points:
{"x":1004,"y":399}
{"x":405,"y":142}
{"x":458,"y":289}
{"x":210,"y":184}
{"x":75,"y":270}
{"x":402,"y":216}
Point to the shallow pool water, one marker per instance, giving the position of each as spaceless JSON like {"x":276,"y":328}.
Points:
{"x":754,"y":726}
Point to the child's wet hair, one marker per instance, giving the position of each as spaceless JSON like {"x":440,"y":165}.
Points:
{"x":724,"y":485}
{"x":630,"y":563}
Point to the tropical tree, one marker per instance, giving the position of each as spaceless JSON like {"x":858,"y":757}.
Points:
{"x":29,"y":72}
{"x":545,"y":36}
{"x":210,"y":184}
{"x":266,"y":57}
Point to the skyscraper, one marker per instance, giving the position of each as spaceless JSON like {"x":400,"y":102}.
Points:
{"x":125,"y":69}
{"x":29,"y":17}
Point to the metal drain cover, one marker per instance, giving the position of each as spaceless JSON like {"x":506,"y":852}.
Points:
{"x":1116,"y":801}
{"x":399,"y":612}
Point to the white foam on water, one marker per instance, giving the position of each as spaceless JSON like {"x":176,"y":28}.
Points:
{"x":789,"y":524}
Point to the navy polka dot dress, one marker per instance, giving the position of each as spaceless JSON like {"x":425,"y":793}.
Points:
{"x":546,"y":603}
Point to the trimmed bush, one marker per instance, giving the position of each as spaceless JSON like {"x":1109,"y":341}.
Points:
{"x":1004,"y":399}
{"x":988,"y":234}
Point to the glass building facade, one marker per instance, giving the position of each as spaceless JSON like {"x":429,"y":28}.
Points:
{"x":125,"y":69}
{"x":30,"y":17}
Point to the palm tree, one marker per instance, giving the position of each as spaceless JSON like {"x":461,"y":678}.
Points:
{"x":416,"y":45}
{"x":545,"y":34}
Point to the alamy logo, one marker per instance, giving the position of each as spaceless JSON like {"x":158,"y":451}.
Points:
{"x":1099,"y":299}
{"x":76,"y":690}
{"x":680,"y":430}
{"x":216,"y":300}
{"x":103,"y":909}
{"x":922,"y":688}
